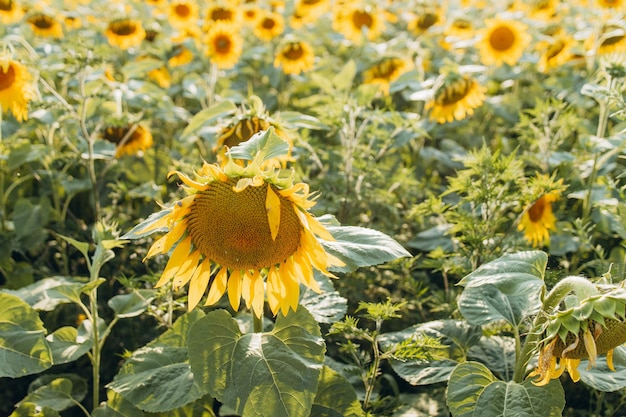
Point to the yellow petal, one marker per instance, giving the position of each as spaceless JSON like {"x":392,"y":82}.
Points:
{"x":188,"y":181}
{"x":161,"y":223}
{"x":218,"y":287}
{"x":609,"y":360}
{"x":272,"y":206}
{"x":234,"y":289}
{"x":316,"y":227}
{"x":157,"y":247}
{"x":183,"y":275}
{"x":572,"y":368}
{"x":198,"y":283}
{"x":179,"y":255}
{"x":274,"y":289}
{"x":590,"y":347}
{"x":246,"y":288}
{"x":258,"y":296}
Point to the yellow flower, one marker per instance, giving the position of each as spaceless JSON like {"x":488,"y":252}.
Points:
{"x":125,"y":33}
{"x":612,"y":4}
{"x":295,"y":56}
{"x":460,"y":28}
{"x":269,"y":25}
{"x":456,"y":98}
{"x":183,"y":13}
{"x":311,"y":10}
{"x":612,"y":38}
{"x":355,"y":21}
{"x":16,"y":89}
{"x":223,"y":13}
{"x":223,"y":45}
{"x":423,"y":21}
{"x":244,"y":232}
{"x":179,"y":56}
{"x":10,"y":12}
{"x":45,"y":25}
{"x":385,"y":72}
{"x":538,"y":219}
{"x":554,"y":52}
{"x":129,"y":139}
{"x":503,"y":41}
{"x":545,"y":10}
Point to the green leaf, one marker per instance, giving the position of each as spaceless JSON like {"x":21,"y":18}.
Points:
{"x":67,"y":345}
{"x":457,"y":335}
{"x":132,"y":304}
{"x":29,"y":218}
{"x":530,"y":265}
{"x":207,"y":116}
{"x":261,"y":147}
{"x":343,"y":79}
{"x":23,"y":346}
{"x":302,"y":121}
{"x":139,"y":230}
{"x":83,"y":247}
{"x":73,"y":292}
{"x":600,"y":377}
{"x":260,"y":374}
{"x":474,"y":391}
{"x":27,"y":152}
{"x":505,"y":289}
{"x":202,"y":407}
{"x":32,"y":410}
{"x":139,"y":69}
{"x":335,"y":397}
{"x":496,"y":352}
{"x":359,"y":246}
{"x":156,"y":379}
{"x":58,"y":392}
{"x":39,"y":296}
{"x":117,"y":406}
{"x":177,"y":335}
{"x":326,"y":307}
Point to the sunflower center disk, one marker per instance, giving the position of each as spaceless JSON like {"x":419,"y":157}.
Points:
{"x":293,"y":52}
{"x":535,"y":212}
{"x":6,"y":5}
{"x":231,"y":228}
{"x":502,"y":38}
{"x":7,"y":78}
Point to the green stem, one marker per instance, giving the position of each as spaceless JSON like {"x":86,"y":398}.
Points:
{"x":257,"y":323}
{"x":374,"y":368}
{"x":579,"y":286}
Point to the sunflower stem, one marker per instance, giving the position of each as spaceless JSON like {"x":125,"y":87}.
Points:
{"x":257,"y":322}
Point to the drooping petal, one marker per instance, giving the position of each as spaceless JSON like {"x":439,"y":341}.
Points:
{"x":590,"y":347}
{"x":198,"y":283}
{"x":188,"y":181}
{"x":234,"y":289}
{"x":258,"y":299}
{"x":217,"y":288}
{"x":272,"y":205}
{"x":246,"y":288}
{"x":177,"y":258}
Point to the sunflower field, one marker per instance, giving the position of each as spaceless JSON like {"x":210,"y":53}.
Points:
{"x":299,"y":208}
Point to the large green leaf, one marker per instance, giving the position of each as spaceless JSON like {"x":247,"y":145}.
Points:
{"x":202,"y":407}
{"x":359,"y":246}
{"x":33,"y":410}
{"x":178,"y":334}
{"x":156,"y":379}
{"x":262,"y":146}
{"x":507,"y":288}
{"x":39,"y":296}
{"x":67,"y":345}
{"x":335,"y":397}
{"x":206,"y":116}
{"x":498,"y":353}
{"x":457,"y":335}
{"x":326,"y":307}
{"x":23,"y":346}
{"x":30,"y":219}
{"x":474,"y":391}
{"x":260,"y":374}
{"x":143,"y":229}
{"x":58,"y":392}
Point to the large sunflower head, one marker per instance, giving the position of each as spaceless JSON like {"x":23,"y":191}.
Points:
{"x":269,"y":25}
{"x":355,"y":21}
{"x":223,"y":45}
{"x":245,"y":232}
{"x":385,"y":72}
{"x":503,"y":41}
{"x":16,"y":88}
{"x":455,"y":96}
{"x":294,"y":56}
{"x":588,"y":327}
{"x":10,"y":12}
{"x":125,"y":33}
{"x":129,"y":138}
{"x":45,"y":25}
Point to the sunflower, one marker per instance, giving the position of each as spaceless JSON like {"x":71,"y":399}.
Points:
{"x":10,"y":12}
{"x":311,"y":9}
{"x":455,"y":97}
{"x":245,"y":232}
{"x":503,"y":41}
{"x":183,"y":13}
{"x":250,"y":14}
{"x":423,"y":21}
{"x":16,"y":89}
{"x":355,"y":21}
{"x":460,"y":28}
{"x":179,"y":56}
{"x":544,"y":10}
{"x":223,"y":13}
{"x":125,"y":33}
{"x":594,"y":326}
{"x":295,"y":56}
{"x":129,"y":138}
{"x":242,"y":129}
{"x":45,"y":25}
{"x":224,"y":45}
{"x":385,"y":72}
{"x":538,"y":219}
{"x":612,"y":4}
{"x":612,"y":38}
{"x":554,"y":52}
{"x":269,"y":25}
